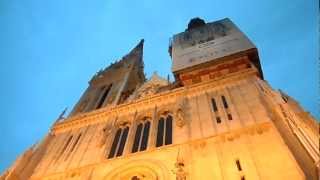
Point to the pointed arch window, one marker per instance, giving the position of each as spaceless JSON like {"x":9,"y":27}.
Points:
{"x":164,"y":133}
{"x":141,"y":137}
{"x":119,"y":142}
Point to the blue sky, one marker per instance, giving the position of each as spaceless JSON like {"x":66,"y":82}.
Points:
{"x":50,"y":49}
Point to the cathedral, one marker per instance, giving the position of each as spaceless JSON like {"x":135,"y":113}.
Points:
{"x":218,"y":120}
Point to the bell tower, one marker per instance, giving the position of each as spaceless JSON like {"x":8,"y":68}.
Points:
{"x":114,"y":84}
{"x":206,"y":51}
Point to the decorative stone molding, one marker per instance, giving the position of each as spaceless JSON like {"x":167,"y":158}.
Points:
{"x":167,"y":97}
{"x":148,"y":169}
{"x":144,"y":115}
{"x":150,"y":87}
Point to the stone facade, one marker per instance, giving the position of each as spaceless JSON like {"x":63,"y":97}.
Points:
{"x":226,"y":123}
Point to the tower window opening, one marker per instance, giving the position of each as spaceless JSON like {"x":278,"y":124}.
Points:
{"x":238,"y":165}
{"x":224,"y":101}
{"x":229,"y":116}
{"x":104,"y":96}
{"x":243,"y":178}
{"x":214,"y":105}
{"x":164,"y":134}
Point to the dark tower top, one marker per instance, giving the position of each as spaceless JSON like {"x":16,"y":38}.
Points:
{"x":195,"y":23}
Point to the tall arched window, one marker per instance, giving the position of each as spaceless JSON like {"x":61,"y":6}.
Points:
{"x":164,"y":134}
{"x":119,"y":142}
{"x":141,"y":137}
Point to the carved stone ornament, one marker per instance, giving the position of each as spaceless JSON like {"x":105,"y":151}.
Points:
{"x":150,"y":87}
{"x":180,"y":115}
{"x":180,"y":121}
{"x":105,"y":132}
{"x":180,"y":173}
{"x":179,"y":170}
{"x":121,"y":123}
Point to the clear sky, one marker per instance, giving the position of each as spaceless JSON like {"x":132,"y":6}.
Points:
{"x":50,"y":49}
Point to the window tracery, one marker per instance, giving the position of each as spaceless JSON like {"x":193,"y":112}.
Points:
{"x":119,"y":140}
{"x":141,"y":136}
{"x":164,"y":130}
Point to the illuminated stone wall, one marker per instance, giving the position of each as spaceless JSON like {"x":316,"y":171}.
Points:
{"x":207,"y":149}
{"x":227,"y":123}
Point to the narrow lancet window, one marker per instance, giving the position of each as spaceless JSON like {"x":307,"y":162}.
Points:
{"x":115,"y":143}
{"x":76,"y":142}
{"x":168,"y":137}
{"x":145,"y":136}
{"x":238,"y":165}
{"x":224,"y":101}
{"x":160,"y":132}
{"x":64,"y":147}
{"x":103,"y":97}
{"x":214,"y":105}
{"x":137,"y":138}
{"x":123,"y":141}
{"x":73,"y":146}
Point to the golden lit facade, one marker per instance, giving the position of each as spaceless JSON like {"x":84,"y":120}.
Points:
{"x":219,"y":119}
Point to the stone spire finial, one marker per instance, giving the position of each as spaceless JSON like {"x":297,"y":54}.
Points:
{"x":138,"y":49}
{"x":61,"y":116}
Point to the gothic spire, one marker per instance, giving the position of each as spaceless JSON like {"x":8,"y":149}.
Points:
{"x":135,"y":54}
{"x":137,"y":50}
